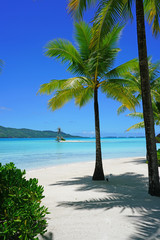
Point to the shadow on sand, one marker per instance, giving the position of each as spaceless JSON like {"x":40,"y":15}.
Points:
{"x":47,"y":236}
{"x":125,"y":191}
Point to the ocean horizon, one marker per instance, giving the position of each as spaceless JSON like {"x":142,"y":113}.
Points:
{"x":32,"y":153}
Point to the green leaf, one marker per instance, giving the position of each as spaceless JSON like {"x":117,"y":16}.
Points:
{"x":64,"y":51}
{"x":136,"y":126}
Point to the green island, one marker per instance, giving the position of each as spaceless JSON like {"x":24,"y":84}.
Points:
{"x":29,"y":133}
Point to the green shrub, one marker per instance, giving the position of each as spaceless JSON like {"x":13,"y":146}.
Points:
{"x":158,"y":156}
{"x":21,"y":215}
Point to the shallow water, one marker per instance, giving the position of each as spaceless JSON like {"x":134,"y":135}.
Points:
{"x":37,"y":153}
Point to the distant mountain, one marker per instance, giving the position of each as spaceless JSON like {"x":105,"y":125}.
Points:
{"x":28,"y":133}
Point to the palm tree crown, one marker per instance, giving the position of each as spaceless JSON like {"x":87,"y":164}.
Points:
{"x":111,"y":11}
{"x":133,"y":81}
{"x":92,"y":67}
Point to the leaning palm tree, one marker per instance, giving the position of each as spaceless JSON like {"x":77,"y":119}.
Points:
{"x":92,"y":68}
{"x":108,"y":13}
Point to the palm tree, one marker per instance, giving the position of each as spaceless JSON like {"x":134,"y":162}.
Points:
{"x":133,"y":81}
{"x":109,"y":12}
{"x":156,"y":114}
{"x":92,"y":70}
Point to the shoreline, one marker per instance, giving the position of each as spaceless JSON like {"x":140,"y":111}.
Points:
{"x":99,"y":210}
{"x":81,"y":162}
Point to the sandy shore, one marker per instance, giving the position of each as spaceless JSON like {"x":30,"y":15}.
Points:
{"x":81,"y":209}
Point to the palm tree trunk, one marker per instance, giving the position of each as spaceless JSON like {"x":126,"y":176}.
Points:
{"x":98,"y":172}
{"x":154,"y":186}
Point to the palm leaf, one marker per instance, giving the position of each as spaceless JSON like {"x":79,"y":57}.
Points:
{"x":121,"y":109}
{"x":48,"y":88}
{"x":114,"y":89}
{"x":152,"y":13}
{"x":76,"y":7}
{"x":53,"y":85}
{"x":123,"y":69}
{"x":85,"y":95}
{"x":102,"y":60}
{"x":64,"y":51}
{"x":83,"y":37}
{"x":136,"y":126}
{"x":108,"y":14}
{"x":136,"y":114}
{"x":62,"y":97}
{"x":103,"y":55}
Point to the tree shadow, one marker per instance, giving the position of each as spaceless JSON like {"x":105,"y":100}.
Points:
{"x":47,"y":236}
{"x":138,"y":161}
{"x":126,"y":191}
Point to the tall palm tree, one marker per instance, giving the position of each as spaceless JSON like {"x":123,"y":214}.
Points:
{"x":109,"y":12}
{"x":93,"y":70}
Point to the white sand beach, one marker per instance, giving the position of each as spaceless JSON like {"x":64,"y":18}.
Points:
{"x":82,"y":209}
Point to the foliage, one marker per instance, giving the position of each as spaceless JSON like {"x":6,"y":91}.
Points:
{"x":28,"y":133}
{"x":156,"y":114}
{"x":134,"y":83}
{"x":21,"y":214}
{"x":109,"y":12}
{"x":158,"y":156}
{"x":92,"y":67}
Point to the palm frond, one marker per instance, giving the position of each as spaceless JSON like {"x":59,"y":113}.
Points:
{"x":76,"y":7}
{"x":48,"y":88}
{"x":136,"y":115}
{"x":111,"y":38}
{"x":123,"y":69}
{"x":136,"y":126}
{"x":62,"y":97}
{"x":154,"y":72}
{"x":102,"y":60}
{"x":83,"y":37}
{"x":152,"y":13}
{"x":108,"y":14}
{"x":120,"y":93}
{"x":103,"y":54}
{"x":84,"y":97}
{"x":70,"y":83}
{"x":64,"y":51}
{"x":121,"y":109}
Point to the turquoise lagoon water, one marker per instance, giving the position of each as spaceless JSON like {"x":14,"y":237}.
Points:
{"x":37,"y":153}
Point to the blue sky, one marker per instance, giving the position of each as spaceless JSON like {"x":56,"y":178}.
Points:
{"x":26,"y":27}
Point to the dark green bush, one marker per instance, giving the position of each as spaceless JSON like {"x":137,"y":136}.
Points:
{"x":158,"y":156}
{"x":21,"y":215}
